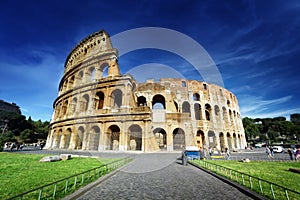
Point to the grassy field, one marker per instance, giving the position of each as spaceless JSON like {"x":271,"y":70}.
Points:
{"x":275,"y":172}
{"x":23,"y":172}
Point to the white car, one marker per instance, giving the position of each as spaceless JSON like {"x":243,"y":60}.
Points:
{"x":277,"y":149}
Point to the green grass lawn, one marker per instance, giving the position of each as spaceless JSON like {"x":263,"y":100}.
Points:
{"x":275,"y":172}
{"x":23,"y":172}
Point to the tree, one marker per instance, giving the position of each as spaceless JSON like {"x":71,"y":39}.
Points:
{"x":251,"y":129}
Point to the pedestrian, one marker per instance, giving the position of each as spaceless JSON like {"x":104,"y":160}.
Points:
{"x":290,"y":152}
{"x":269,"y":154}
{"x":227,"y":153}
{"x":297,"y":154}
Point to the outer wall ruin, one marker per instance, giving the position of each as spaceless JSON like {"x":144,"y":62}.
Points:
{"x":99,"y":109}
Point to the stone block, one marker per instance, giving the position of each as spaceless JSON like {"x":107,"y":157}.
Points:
{"x":50,"y":159}
{"x":65,"y":156}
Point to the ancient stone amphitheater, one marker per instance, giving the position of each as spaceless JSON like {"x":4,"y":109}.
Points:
{"x":100,"y":109}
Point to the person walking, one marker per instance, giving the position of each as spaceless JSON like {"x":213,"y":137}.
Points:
{"x":227,"y":153}
{"x":290,"y":152}
{"x":269,"y":153}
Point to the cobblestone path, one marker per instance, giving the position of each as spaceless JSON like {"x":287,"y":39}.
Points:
{"x":160,"y":176}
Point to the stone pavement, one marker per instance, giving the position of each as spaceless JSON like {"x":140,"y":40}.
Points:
{"x":161,"y":176}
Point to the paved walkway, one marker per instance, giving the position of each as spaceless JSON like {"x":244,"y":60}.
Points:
{"x":160,"y":176}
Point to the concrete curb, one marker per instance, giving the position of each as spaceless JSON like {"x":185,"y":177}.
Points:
{"x":88,"y":187}
{"x":241,"y":188}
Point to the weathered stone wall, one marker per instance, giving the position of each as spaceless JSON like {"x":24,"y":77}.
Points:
{"x":99,"y":109}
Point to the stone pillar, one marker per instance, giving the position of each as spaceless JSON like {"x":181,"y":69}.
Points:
{"x":122,"y":139}
{"x":107,"y":97}
{"x":169,"y":137}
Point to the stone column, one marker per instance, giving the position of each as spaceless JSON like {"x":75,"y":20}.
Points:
{"x":169,"y":137}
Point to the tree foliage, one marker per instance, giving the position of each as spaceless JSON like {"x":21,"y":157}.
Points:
{"x":14,"y":126}
{"x":274,"y":129}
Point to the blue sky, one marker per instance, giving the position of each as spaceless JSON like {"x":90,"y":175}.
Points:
{"x":254,"y":44}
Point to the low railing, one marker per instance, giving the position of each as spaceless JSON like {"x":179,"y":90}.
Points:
{"x":260,"y":186}
{"x":62,"y":187}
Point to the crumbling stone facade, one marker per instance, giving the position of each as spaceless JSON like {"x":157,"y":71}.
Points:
{"x":99,"y":110}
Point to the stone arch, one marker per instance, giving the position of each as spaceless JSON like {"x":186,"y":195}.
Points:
{"x":212,"y":139}
{"x":176,"y":105}
{"x":104,"y":70}
{"x":84,"y":103}
{"x":198,"y":111}
{"x":65,"y":139}
{"x":217,"y":111}
{"x":222,"y":141}
{"x":99,"y":100}
{"x":225,"y":116}
{"x":73,"y":105}
{"x":135,"y":137}
{"x":91,"y":73}
{"x":207,"y":112}
{"x":71,"y":82}
{"x":200,"y":138}
{"x":186,"y":108}
{"x":141,"y":101}
{"x":94,"y":137}
{"x":235,"y":142}
{"x":196,"y":97}
{"x":116,"y":97}
{"x":79,"y":138}
{"x":178,"y":139}
{"x":161,"y":138}
{"x":65,"y":85}
{"x":65,"y":107}
{"x":158,"y":102}
{"x":80,"y":76}
{"x":229,"y":140}
{"x":113,"y":137}
{"x":57,"y":137}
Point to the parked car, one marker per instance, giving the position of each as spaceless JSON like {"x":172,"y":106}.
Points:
{"x":278,"y":149}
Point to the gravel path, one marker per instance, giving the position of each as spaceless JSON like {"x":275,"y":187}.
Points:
{"x":161,"y":176}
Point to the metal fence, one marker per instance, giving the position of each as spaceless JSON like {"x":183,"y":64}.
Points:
{"x":60,"y":188}
{"x":260,"y":186}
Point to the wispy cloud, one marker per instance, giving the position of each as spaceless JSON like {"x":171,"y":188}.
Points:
{"x":253,"y":106}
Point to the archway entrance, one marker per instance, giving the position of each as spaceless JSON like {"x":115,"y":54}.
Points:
{"x":161,"y":138}
{"x":135,"y":138}
{"x":113,"y":137}
{"x":178,"y":139}
{"x":200,"y":138}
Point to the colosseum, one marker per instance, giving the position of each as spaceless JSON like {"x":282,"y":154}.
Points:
{"x":99,"y":109}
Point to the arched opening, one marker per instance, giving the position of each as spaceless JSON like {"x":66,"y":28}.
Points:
{"x":92,"y":73}
{"x":222,"y":141}
{"x":73,"y":106}
{"x":64,"y":107}
{"x":94,"y":137}
{"x":229,"y":141}
{"x":57,"y":138}
{"x":186,"y":108}
{"x":80,"y":77}
{"x":198,"y":112}
{"x":79,"y":138}
{"x":116,"y":96}
{"x":135,"y":138}
{"x":217,"y":111}
{"x":99,"y":100}
{"x":225,"y":116}
{"x":235,"y":145}
{"x":161,"y":138}
{"x":196,"y":97}
{"x":212,"y":139}
{"x":71,"y":82}
{"x":200,"y":138}
{"x":141,"y":101}
{"x":65,"y":139}
{"x":113,"y":137}
{"x":158,"y":102}
{"x":178,"y":139}
{"x":104,"y":70}
{"x":84,"y":103}
{"x":207,"y":112}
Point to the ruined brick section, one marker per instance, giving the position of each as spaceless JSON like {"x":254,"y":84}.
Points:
{"x":100,"y":109}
